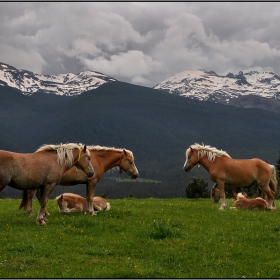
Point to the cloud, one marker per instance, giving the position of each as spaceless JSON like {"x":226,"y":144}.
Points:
{"x":139,"y":42}
{"x":132,"y":64}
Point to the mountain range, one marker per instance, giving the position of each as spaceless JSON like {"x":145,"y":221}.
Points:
{"x":252,"y":89}
{"x":249,"y":90}
{"x":155,"y":125}
{"x":63,"y":84}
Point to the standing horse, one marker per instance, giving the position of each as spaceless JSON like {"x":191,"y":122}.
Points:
{"x":102,"y":159}
{"x":42,"y":170}
{"x":234,"y":172}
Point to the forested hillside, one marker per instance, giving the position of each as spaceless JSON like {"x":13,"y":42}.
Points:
{"x":156,"y":126}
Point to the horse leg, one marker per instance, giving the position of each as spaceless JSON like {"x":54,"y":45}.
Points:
{"x":90,"y":196}
{"x":30,"y":194}
{"x":38,"y":195}
{"x":221,"y":187}
{"x":45,"y":193}
{"x":269,"y":196}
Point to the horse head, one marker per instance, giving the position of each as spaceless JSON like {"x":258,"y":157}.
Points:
{"x":215,"y":194}
{"x":83,"y":161}
{"x":127,"y":164}
{"x":192,"y":159}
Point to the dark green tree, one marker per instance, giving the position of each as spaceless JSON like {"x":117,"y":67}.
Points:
{"x":197,"y":188}
{"x":277,"y":166}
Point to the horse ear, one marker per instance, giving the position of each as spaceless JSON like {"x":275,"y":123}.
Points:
{"x":124,"y":151}
{"x":85,"y":148}
{"x":61,"y":197}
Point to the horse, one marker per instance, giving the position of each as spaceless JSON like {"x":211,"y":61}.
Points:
{"x":242,"y":202}
{"x":42,"y":170}
{"x":215,"y":192}
{"x":70,"y":202}
{"x":102,"y":159}
{"x":223,"y":170}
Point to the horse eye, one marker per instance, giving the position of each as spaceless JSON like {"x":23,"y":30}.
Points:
{"x":130,"y":162}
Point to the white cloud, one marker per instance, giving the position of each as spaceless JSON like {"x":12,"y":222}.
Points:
{"x":139,"y":42}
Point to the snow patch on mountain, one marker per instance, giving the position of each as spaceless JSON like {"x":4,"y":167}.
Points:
{"x":203,"y":85}
{"x":63,"y":84}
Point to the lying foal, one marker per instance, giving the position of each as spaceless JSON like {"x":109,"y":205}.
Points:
{"x":244,"y":203}
{"x":70,"y":202}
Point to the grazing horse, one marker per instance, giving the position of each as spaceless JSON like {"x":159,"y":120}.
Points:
{"x":70,"y":202}
{"x":102,"y":159}
{"x":242,"y":202}
{"x":42,"y":170}
{"x":234,"y":172}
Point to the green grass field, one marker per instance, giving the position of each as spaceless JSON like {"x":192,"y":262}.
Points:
{"x":141,"y":238}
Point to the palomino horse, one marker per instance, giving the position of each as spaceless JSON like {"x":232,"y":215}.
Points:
{"x":215,"y":192}
{"x":242,"y":202}
{"x":102,"y":159}
{"x":42,"y":170}
{"x":234,"y":172}
{"x":70,"y":202}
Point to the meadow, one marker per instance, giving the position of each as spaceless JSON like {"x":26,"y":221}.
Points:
{"x":141,"y":238}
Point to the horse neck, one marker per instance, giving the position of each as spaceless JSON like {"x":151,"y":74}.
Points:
{"x":205,"y":162}
{"x":109,"y":159}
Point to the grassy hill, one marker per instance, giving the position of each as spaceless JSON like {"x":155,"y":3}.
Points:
{"x":158,"y":127}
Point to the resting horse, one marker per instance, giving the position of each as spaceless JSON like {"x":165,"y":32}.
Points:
{"x":102,"y":159}
{"x":70,"y":202}
{"x":234,"y":172}
{"x":242,"y":202}
{"x":215,"y":192}
{"x":42,"y":170}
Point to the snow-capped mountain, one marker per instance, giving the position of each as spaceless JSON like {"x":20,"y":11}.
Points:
{"x":63,"y":84}
{"x":203,"y":85}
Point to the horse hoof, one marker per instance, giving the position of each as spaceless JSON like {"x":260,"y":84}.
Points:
{"x":48,"y":214}
{"x":40,"y":222}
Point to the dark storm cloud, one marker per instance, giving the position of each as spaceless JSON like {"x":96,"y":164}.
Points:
{"x":141,"y":43}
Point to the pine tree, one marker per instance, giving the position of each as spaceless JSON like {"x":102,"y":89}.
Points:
{"x":277,"y":166}
{"x":197,"y":188}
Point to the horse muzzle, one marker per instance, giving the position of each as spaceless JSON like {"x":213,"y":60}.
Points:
{"x":133,"y":175}
{"x":187,"y":167}
{"x":90,"y":174}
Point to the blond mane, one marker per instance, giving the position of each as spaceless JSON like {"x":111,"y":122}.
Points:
{"x":210,"y":152}
{"x":110,"y":149}
{"x":64,"y":152}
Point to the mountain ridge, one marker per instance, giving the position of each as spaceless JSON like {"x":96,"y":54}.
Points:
{"x":63,"y":84}
{"x":229,"y":89}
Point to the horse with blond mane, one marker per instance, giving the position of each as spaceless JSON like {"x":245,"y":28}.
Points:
{"x":234,"y":172}
{"x":244,"y":203}
{"x":70,"y":202}
{"x":42,"y":170}
{"x":102,"y":160}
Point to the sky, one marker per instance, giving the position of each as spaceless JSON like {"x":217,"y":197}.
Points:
{"x":141,"y":43}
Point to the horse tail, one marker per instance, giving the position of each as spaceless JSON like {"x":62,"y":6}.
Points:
{"x":273,"y":183}
{"x":24,"y":199}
